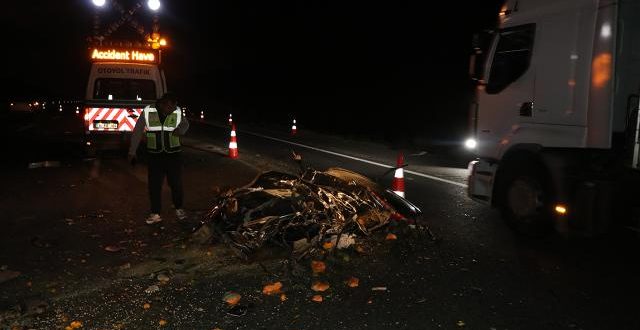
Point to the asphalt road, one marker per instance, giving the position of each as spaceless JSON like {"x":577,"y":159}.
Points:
{"x":476,"y":274}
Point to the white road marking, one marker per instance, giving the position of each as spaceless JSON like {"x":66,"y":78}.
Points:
{"x":427,"y":176}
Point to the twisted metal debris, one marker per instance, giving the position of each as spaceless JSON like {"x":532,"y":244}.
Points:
{"x":281,"y":209}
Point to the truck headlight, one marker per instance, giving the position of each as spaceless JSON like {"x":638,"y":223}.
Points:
{"x":470,"y":143}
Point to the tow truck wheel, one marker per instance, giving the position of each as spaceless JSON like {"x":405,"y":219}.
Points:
{"x":526,"y":202}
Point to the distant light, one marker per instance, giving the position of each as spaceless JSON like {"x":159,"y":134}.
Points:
{"x":99,"y":3}
{"x":503,"y":11}
{"x":470,"y":143}
{"x":163,"y":42}
{"x":11,"y":104}
{"x":561,"y":209}
{"x":153,"y":4}
{"x":605,"y":31}
{"x":110,"y":97}
{"x":88,"y":143}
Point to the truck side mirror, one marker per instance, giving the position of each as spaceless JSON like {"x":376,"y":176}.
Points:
{"x":476,"y":63}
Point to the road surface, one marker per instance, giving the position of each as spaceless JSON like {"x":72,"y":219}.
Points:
{"x":476,"y":274}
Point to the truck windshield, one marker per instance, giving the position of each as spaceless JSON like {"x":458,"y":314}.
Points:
{"x":512,"y":57}
{"x":124,"y":89}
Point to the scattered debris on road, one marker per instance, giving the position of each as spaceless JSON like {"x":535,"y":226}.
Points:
{"x":231,"y":298}
{"x":152,"y":289}
{"x":272,"y":288}
{"x":318,"y":266}
{"x":112,"y":248}
{"x":353,"y":282}
{"x":320,"y":286}
{"x":163,"y":278}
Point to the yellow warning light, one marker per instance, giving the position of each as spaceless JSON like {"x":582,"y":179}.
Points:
{"x":163,"y":42}
{"x":601,"y":68}
{"x":503,"y":11}
{"x":155,"y":45}
{"x":561,"y":209}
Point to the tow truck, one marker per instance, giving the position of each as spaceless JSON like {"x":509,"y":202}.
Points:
{"x":122,"y":81}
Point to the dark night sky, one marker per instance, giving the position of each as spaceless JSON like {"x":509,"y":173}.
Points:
{"x":330,"y":63}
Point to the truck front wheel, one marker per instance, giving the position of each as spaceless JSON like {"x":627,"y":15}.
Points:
{"x":526,"y":201}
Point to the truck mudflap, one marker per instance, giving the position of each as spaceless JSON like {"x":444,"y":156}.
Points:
{"x":122,"y":119}
{"x":481,"y":180}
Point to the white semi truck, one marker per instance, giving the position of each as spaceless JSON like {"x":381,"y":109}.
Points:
{"x":556,"y":116}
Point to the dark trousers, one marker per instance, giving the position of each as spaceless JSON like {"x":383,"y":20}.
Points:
{"x":161,"y":165}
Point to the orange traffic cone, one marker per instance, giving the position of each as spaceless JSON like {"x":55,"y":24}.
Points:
{"x":398,"y":177}
{"x":233,"y":144}
{"x":230,"y":119}
{"x":294,"y":128}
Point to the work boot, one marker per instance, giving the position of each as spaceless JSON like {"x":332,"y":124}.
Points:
{"x":153,"y":218}
{"x":181,"y":214}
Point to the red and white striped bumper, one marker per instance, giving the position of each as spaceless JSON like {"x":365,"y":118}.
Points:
{"x":125,"y":117}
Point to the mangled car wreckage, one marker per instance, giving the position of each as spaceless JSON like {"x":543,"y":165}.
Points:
{"x":316,"y":206}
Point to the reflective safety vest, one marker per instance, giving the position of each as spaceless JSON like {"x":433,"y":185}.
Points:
{"x":159,"y":135}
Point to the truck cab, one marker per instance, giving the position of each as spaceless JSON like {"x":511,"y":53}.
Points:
{"x":556,"y":114}
{"x":121,"y":83}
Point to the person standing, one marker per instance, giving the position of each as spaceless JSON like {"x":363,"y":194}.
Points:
{"x":164,"y":124}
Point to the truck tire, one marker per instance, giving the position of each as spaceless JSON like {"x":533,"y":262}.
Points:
{"x":526,"y":200}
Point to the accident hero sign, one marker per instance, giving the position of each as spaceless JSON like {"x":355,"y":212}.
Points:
{"x":119,"y":55}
